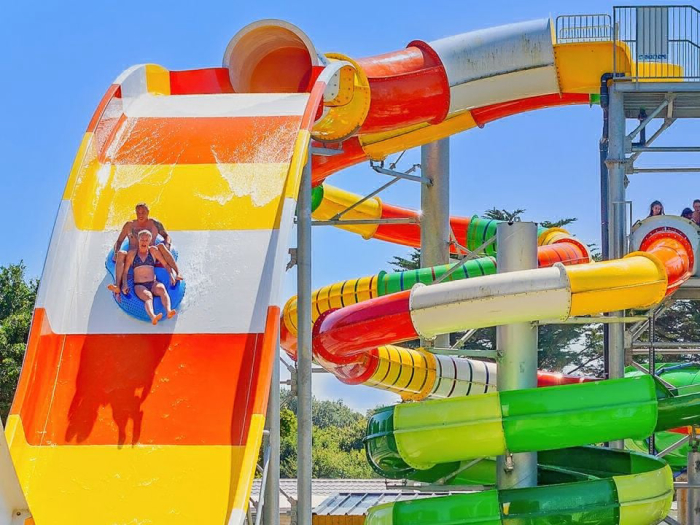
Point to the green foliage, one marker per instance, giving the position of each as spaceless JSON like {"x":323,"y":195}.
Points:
{"x":503,"y":215}
{"x":412,"y":263}
{"x":680,"y":323}
{"x":17,"y":296}
{"x":338,"y":451}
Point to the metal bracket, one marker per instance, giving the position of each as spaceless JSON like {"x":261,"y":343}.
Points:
{"x":354,"y":205}
{"x":667,"y":123}
{"x":461,"y":469}
{"x":325,"y":152}
{"x":473,"y":254}
{"x":348,"y":222}
{"x":593,"y":319}
{"x":462,"y":352}
{"x":379,"y":168}
{"x":667,"y":149}
{"x":466,"y":337}
{"x":292,"y":258}
{"x":649,"y":118}
{"x":678,"y":444}
{"x":508,"y":464}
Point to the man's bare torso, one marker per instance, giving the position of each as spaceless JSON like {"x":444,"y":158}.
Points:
{"x":134,"y":228}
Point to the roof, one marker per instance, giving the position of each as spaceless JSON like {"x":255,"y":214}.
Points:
{"x":358,"y":504}
{"x":322,"y":488}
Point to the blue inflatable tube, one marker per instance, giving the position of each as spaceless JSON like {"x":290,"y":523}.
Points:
{"x":134,"y":306}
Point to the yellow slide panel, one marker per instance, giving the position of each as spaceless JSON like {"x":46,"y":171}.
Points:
{"x":637,"y":281}
{"x":645,"y":497}
{"x":379,"y":146}
{"x":580,"y":65}
{"x":191,"y":197}
{"x":150,"y":478}
{"x":336,"y":200}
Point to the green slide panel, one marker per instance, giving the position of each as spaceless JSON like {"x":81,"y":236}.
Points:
{"x":438,"y":439}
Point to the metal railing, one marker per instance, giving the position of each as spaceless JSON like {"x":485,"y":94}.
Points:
{"x":583,"y":28}
{"x":657,"y":42}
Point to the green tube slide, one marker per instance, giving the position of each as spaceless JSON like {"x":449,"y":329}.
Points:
{"x":398,"y":281}
{"x":685,"y":377}
{"x":576,"y":485}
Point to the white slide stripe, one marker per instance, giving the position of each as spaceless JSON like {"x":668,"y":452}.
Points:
{"x":503,"y":88}
{"x":498,"y":64}
{"x":458,"y":377}
{"x":496,"y":50}
{"x":219,"y":105}
{"x":512,"y":297}
{"x":229,"y":276}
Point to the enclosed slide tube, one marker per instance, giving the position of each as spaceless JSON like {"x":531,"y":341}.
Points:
{"x":581,"y":484}
{"x":435,"y":438}
{"x":685,"y":378}
{"x":639,"y":280}
{"x":398,"y":100}
{"x":414,"y":373}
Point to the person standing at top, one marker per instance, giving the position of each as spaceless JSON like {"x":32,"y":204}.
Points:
{"x":656,"y":208}
{"x":696,"y":211}
{"x":687,"y":213}
{"x":131,"y":231}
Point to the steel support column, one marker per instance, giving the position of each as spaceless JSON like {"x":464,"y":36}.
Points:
{"x":304,"y":348}
{"x":271,"y":508}
{"x":517,"y":345}
{"x":693,"y":497}
{"x":435,"y":207}
{"x":616,"y":224}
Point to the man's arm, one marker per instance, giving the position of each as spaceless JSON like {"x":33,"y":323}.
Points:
{"x":158,"y":257}
{"x":161,"y":231}
{"x":129,"y":260}
{"x":122,"y":235}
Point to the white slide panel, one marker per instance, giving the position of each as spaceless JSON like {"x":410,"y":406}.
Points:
{"x":513,"y":297}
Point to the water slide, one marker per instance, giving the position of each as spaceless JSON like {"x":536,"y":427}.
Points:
{"x":118,"y":421}
{"x":414,"y":373}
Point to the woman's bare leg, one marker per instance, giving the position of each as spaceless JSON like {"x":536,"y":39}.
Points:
{"x":170,"y":260}
{"x":147,"y":298}
{"x":118,"y":273}
{"x":161,"y":292}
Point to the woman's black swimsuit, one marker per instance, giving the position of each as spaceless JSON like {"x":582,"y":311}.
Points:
{"x":148,"y":262}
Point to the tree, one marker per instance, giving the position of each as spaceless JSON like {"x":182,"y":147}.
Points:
{"x":563,"y":347}
{"x":17,"y":296}
{"x":680,"y":323}
{"x":337,"y":434}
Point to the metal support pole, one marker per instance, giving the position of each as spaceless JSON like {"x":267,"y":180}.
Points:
{"x":271,"y":509}
{"x":693,"y":498}
{"x":652,"y":368}
{"x":435,"y":206}
{"x":517,"y":346}
{"x":615,"y":163}
{"x":304,"y":348}
{"x":604,"y":211}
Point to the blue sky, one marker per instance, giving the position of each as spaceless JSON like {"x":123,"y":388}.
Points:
{"x":59,"y":57}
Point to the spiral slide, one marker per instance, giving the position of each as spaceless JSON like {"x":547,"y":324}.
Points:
{"x":118,"y":421}
{"x":414,"y":373}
